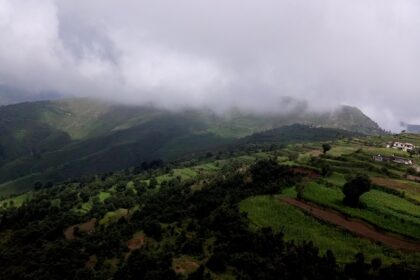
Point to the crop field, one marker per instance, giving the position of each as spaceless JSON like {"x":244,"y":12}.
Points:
{"x":343,"y":150}
{"x":407,"y":188}
{"x":383,"y":210}
{"x":264,"y":211}
{"x":391,"y":206}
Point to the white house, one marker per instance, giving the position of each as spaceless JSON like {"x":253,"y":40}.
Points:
{"x":403,"y":146}
{"x":394,"y":159}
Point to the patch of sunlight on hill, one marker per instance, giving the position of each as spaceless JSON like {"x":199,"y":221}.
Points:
{"x":79,"y":118}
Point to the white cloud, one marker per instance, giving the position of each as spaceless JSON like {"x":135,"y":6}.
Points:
{"x":219,"y":53}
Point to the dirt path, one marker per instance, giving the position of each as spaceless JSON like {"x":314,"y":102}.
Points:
{"x":355,"y":226}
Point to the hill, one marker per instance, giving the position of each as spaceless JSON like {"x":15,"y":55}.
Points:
{"x":56,"y":140}
{"x":228,"y":215}
{"x":297,"y":133}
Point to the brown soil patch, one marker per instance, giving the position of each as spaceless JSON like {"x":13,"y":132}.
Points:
{"x":88,"y":228}
{"x":91,"y":262}
{"x":307,"y":172}
{"x":315,"y":153}
{"x":355,"y":226}
{"x":184,"y":265}
{"x":394,"y":184}
{"x":414,"y":178}
{"x":136,"y":242}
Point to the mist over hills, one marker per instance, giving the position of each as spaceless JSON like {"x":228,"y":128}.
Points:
{"x":209,"y":140}
{"x":71,"y":137}
{"x":12,"y":95}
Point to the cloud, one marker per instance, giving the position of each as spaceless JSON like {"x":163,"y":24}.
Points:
{"x":245,"y":53}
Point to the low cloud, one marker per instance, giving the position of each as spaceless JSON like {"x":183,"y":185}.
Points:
{"x":250,"y":54}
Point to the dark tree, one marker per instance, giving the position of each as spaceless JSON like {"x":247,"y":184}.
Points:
{"x":358,"y":269}
{"x":198,"y":274}
{"x":325,"y":148}
{"x":217,"y":263}
{"x":354,"y":188}
{"x":299,"y":190}
{"x":153,"y":183}
{"x":37,"y":186}
{"x":326,"y":169}
{"x":293,"y":156}
{"x":270,"y":177}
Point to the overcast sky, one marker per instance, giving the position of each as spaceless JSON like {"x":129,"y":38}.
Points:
{"x":220,"y":53}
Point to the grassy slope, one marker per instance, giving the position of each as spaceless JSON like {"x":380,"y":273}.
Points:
{"x":386,"y":211}
{"x":166,"y":137}
{"x":264,"y":211}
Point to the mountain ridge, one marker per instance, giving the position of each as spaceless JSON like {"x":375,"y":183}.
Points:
{"x":64,"y":138}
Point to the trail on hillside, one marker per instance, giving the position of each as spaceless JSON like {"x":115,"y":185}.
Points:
{"x":355,"y":226}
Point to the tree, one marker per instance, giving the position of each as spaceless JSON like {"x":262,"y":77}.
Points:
{"x":358,"y":269}
{"x":300,"y":187}
{"x":326,"y":147}
{"x":153,"y":183}
{"x":217,"y":263}
{"x":37,"y":186}
{"x":354,"y":188}
{"x":293,"y":156}
{"x":269,"y":177}
{"x":326,"y":169}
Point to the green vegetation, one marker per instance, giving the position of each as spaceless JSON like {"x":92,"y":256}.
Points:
{"x":86,"y":228}
{"x":60,"y":140}
{"x":113,"y":216}
{"x":354,"y":188}
{"x":176,"y":207}
{"x":384,"y":210}
{"x":265,"y":211}
{"x":16,"y":201}
{"x":326,"y":147}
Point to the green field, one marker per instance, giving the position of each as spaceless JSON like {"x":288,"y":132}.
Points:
{"x":264,"y":211}
{"x":113,"y":216}
{"x":103,"y":196}
{"x":384,"y":210}
{"x":16,"y":201}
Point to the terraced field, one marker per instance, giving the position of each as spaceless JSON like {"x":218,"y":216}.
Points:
{"x":391,"y":212}
{"x":264,"y":211}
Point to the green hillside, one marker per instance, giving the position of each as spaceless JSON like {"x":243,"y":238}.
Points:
{"x":223,"y":215}
{"x":57,"y":140}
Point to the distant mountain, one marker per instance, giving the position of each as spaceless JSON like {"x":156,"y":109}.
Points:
{"x":11,"y":95}
{"x":344,"y":117}
{"x":61,"y":139}
{"x":413,"y":128}
{"x":297,"y":133}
